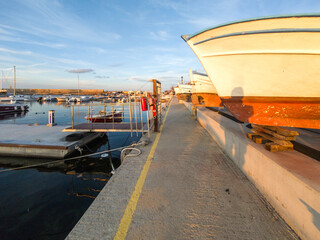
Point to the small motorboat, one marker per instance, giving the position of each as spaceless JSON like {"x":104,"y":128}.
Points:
{"x":64,"y":98}
{"x":83,"y":99}
{"x":115,"y":116}
{"x":49,"y":99}
{"x":13,"y":108}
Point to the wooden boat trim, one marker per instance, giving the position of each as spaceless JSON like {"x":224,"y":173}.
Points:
{"x":293,"y":52}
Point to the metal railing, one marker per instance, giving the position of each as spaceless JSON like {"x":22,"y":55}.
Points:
{"x":131,"y":115}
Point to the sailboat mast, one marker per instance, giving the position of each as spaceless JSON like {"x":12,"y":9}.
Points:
{"x":1,"y":80}
{"x":14,"y":80}
{"x":78,"y":86}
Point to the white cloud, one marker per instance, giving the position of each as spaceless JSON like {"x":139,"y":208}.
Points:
{"x":81,"y":70}
{"x":15,"y":52}
{"x":159,"y":35}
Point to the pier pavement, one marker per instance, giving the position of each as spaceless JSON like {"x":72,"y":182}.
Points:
{"x":182,"y":187}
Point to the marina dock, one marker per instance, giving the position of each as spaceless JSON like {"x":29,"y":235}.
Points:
{"x":185,"y":185}
{"x":39,"y":141}
{"x":108,"y":127}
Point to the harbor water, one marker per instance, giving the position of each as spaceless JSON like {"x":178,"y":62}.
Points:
{"x":46,"y":201}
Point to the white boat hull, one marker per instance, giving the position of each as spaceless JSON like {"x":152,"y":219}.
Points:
{"x":266,"y":71}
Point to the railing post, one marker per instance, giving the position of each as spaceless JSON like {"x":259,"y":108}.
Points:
{"x":89,"y":113}
{"x":112,"y":117}
{"x":130,"y":114}
{"x":135,"y":113}
{"x":156,"y":104}
{"x":72,"y":116}
{"x":91,"y":118}
{"x":148,"y":120}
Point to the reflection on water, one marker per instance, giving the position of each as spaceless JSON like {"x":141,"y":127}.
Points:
{"x":45,"y":202}
{"x":8,"y":116}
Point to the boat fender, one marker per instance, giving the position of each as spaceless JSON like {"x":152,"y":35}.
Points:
{"x":143,"y":104}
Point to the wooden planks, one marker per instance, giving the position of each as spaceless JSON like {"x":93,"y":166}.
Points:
{"x":275,"y":138}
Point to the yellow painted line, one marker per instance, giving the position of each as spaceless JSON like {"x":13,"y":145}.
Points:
{"x":131,"y":207}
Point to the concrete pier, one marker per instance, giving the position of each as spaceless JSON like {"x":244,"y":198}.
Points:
{"x":182,"y":187}
{"x":290,"y":181}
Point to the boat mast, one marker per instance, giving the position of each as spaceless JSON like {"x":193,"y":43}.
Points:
{"x":1,"y":80}
{"x":78,"y":86}
{"x":14,"y":80}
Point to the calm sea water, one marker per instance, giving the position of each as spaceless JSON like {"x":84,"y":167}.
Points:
{"x":47,"y":201}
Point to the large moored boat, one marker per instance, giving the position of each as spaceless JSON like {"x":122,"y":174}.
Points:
{"x":266,"y":70}
{"x":183,"y":92}
{"x":203,"y":91}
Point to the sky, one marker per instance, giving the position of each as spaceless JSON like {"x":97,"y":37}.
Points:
{"x":114,"y":44}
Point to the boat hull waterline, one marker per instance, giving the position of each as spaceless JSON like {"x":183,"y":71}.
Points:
{"x":206,"y":100}
{"x":263,"y":70}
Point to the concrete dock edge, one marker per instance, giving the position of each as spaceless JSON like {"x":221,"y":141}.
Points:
{"x":112,"y":200}
{"x":290,"y":181}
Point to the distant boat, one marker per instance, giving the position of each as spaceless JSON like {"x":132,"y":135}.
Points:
{"x":72,"y":99}
{"x":62,"y":99}
{"x":5,"y":99}
{"x":203,"y":91}
{"x":49,"y":98}
{"x":83,"y":99}
{"x":105,"y":117}
{"x":265,"y":70}
{"x":17,"y":98}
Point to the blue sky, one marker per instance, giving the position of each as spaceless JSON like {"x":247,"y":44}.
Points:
{"x":118,"y":44}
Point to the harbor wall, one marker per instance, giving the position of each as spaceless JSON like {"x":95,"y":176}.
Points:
{"x":60,"y":91}
{"x":290,"y":181}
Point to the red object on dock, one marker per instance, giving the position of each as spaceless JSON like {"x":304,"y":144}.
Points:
{"x":143,"y":104}
{"x":154,"y":111}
